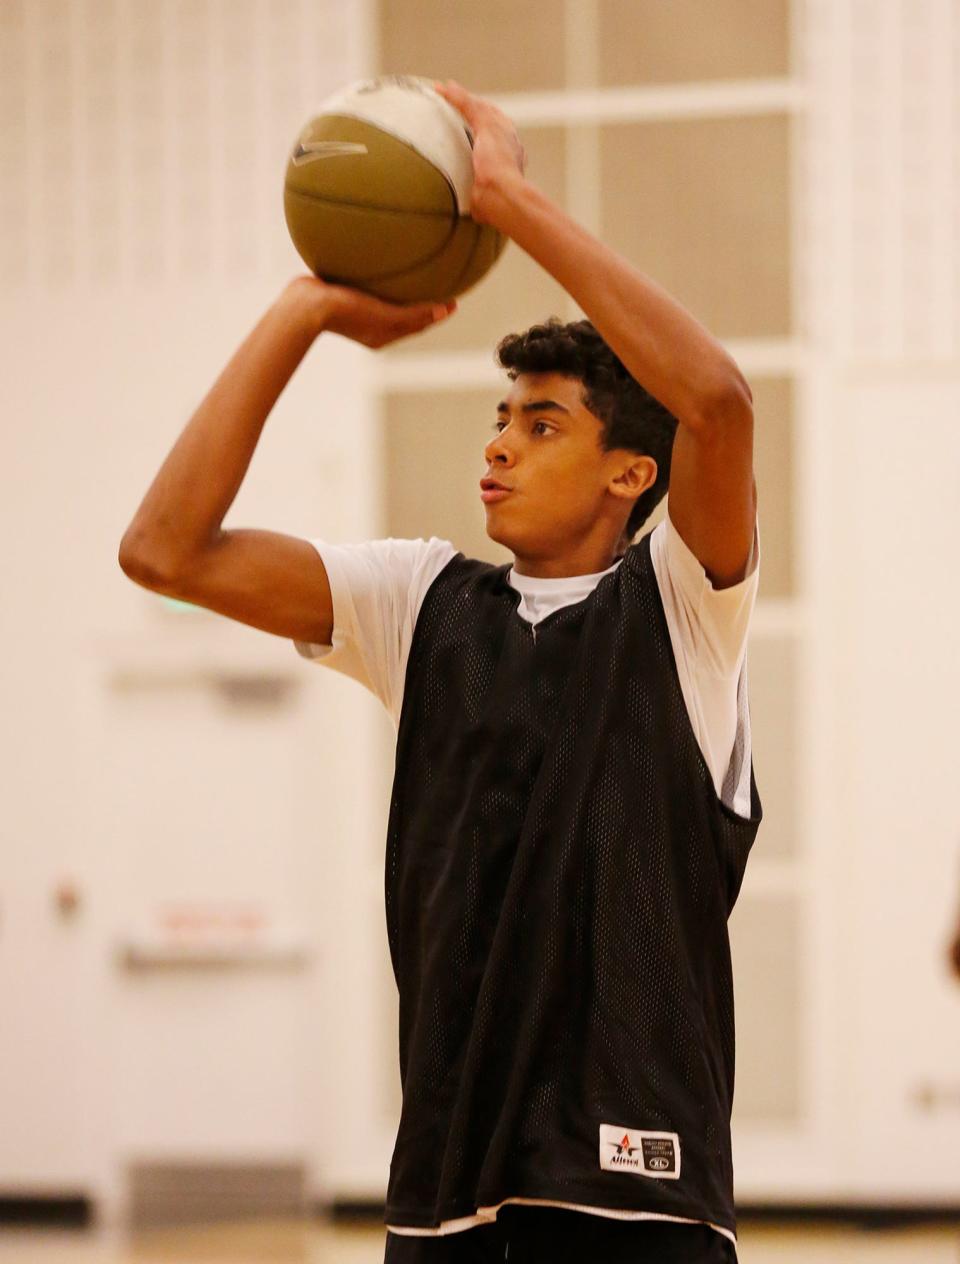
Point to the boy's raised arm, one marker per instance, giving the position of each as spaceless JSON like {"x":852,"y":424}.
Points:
{"x":176,"y":544}
{"x":712,"y":492}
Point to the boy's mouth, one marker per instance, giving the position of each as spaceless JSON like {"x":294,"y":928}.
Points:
{"x":491,"y":489}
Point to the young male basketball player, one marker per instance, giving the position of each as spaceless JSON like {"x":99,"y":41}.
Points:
{"x":574,"y":799}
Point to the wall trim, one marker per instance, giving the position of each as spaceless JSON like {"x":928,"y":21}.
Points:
{"x":63,"y":1211}
{"x":76,"y":1211}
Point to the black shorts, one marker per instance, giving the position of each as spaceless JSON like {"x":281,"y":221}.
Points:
{"x":557,"y":1235}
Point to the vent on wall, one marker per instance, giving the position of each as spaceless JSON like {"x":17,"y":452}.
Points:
{"x":178,"y":1193}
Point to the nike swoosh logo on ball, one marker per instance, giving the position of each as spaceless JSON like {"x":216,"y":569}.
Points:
{"x":312,"y":149}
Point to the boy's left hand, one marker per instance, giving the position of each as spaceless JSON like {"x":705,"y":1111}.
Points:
{"x":498,"y":155}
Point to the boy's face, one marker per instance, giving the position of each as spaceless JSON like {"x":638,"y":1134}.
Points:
{"x":564,"y":497}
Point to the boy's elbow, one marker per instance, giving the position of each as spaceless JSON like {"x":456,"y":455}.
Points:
{"x":137,"y":566}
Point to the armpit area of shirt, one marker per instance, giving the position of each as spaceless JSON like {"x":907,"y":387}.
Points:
{"x":339,"y":647}
{"x":682,"y":553}
{"x":376,"y":587}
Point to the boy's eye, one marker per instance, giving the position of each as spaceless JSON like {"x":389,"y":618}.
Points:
{"x":539,"y":427}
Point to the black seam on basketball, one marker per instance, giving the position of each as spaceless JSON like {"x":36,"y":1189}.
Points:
{"x":454,"y":224}
{"x":473,"y":250}
{"x":365,"y":206}
{"x":454,"y":220}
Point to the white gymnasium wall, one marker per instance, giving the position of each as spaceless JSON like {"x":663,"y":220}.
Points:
{"x":154,"y":755}
{"x":882,"y":298}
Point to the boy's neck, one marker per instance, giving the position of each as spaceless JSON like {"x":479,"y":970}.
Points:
{"x":565,"y":568}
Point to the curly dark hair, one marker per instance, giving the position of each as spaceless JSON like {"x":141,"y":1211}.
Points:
{"x":631,"y":417}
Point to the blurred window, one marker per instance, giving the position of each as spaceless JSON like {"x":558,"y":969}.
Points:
{"x":496,"y":46}
{"x":690,"y":41}
{"x":703,"y":206}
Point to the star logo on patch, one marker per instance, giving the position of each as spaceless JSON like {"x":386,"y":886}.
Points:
{"x":625,"y":1145}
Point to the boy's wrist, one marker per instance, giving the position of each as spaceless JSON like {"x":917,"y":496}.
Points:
{"x":307,"y":301}
{"x":494,"y":201}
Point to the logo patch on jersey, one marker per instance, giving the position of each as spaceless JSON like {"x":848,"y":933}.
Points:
{"x":643,"y":1153}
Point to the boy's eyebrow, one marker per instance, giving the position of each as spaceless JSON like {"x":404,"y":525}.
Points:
{"x":536,"y":405}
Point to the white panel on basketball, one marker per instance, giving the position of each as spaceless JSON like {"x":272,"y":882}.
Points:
{"x":395,"y":105}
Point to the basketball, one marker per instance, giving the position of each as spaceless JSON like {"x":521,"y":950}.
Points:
{"x":377,"y":193}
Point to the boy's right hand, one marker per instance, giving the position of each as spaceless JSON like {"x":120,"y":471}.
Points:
{"x":362,"y":317}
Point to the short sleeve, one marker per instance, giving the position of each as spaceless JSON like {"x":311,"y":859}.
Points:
{"x":716,"y":620}
{"x":377,"y":587}
{"x":708,"y":633}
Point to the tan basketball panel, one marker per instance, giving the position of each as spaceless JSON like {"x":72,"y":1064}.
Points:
{"x":356,"y":244}
{"x":488,"y":249}
{"x":463,"y":260}
{"x":382,"y":172}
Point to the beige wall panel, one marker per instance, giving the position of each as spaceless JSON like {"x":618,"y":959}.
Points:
{"x":433,"y":444}
{"x":703,"y":206}
{"x":773,"y":463}
{"x":516,"y":292}
{"x":765,"y":942}
{"x":772,"y":668}
{"x":650,"y":41}
{"x":497,"y":46}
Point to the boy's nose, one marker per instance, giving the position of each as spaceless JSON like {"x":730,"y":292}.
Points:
{"x":498,"y":450}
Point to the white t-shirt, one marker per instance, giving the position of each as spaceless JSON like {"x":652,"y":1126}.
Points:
{"x":378,"y":587}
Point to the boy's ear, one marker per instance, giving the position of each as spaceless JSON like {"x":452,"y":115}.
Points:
{"x":635,"y":476}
